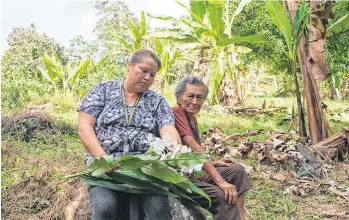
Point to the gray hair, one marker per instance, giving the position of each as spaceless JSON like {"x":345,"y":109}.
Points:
{"x":192,"y":80}
{"x":139,"y":54}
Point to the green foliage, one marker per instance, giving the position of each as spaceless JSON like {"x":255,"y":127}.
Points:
{"x":186,"y":159}
{"x":215,"y":14}
{"x":255,"y":20}
{"x":212,"y":35}
{"x":281,"y":20}
{"x":21,"y":79}
{"x":142,"y":175}
{"x":337,"y":47}
{"x":216,"y":76}
{"x":67,"y":75}
{"x":239,"y":39}
{"x":341,"y":24}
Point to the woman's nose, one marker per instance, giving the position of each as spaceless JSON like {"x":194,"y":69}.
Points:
{"x":194,"y":100}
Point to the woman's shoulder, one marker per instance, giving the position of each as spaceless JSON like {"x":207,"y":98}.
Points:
{"x":154,"y":95}
{"x":178,"y":111}
{"x":109,"y":84}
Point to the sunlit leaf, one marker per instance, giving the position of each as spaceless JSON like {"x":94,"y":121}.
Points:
{"x":215,"y":11}
{"x":198,"y":7}
{"x":240,"y":39}
{"x":187,"y":159}
{"x":281,"y":20}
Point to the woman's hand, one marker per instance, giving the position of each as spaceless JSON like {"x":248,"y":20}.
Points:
{"x":224,"y":162}
{"x":230,"y":193}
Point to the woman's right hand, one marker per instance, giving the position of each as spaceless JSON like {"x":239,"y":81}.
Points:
{"x":230,"y":193}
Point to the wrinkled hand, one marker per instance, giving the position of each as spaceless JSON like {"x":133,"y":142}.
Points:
{"x":230,"y":193}
{"x":224,"y":162}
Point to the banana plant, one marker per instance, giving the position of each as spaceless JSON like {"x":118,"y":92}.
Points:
{"x":292,"y":32}
{"x":168,"y":56}
{"x":212,"y":31}
{"x":54,"y":70}
{"x":137,"y":36}
{"x":58,"y":74}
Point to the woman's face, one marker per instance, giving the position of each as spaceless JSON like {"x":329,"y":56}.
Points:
{"x":141,"y":75}
{"x":192,"y":98}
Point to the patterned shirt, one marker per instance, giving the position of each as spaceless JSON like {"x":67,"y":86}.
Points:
{"x":104,"y":102}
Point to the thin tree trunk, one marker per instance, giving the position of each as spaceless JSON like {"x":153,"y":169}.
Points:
{"x":302,"y":129}
{"x":276,"y":83}
{"x":345,"y":92}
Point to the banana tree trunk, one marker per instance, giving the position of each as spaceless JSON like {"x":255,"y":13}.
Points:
{"x":316,"y":118}
{"x":314,"y":67}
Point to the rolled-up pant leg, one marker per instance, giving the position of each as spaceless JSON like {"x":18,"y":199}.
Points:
{"x":155,"y":207}
{"x":220,"y":208}
{"x":108,"y":204}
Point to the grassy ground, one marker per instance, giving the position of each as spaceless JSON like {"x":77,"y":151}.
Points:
{"x":55,"y":152}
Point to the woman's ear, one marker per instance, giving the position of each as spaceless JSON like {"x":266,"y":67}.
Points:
{"x":128,"y":64}
{"x":178,"y":101}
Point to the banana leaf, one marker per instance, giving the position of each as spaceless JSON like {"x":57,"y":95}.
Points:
{"x":281,"y":20}
{"x":186,"y":159}
{"x":198,"y":7}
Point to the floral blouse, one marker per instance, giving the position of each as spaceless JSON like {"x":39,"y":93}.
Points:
{"x":104,"y":102}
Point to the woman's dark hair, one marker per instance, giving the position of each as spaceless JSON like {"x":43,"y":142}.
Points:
{"x":139,"y":54}
{"x":192,"y":80}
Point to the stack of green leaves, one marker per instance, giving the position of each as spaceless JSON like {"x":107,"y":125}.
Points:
{"x":145,"y":174}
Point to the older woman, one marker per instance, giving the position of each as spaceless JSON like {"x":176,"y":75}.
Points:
{"x":119,"y":118}
{"x":225,"y":185}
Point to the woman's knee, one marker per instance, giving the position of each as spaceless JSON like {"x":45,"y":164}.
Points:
{"x":105,"y":202}
{"x":239,"y":169}
{"x":157,"y":203}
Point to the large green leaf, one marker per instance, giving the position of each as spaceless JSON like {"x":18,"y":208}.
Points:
{"x":137,"y":178}
{"x":163,"y":172}
{"x":114,"y":185}
{"x":143,"y":24}
{"x":45,"y":74}
{"x":172,"y":35}
{"x":217,"y":73}
{"x":158,"y":46}
{"x":339,"y":25}
{"x":101,"y":165}
{"x":215,"y":14}
{"x":130,"y":162}
{"x":198,"y":7}
{"x":137,"y":38}
{"x":281,"y":20}
{"x":164,"y":62}
{"x":79,"y":71}
{"x":240,"y":39}
{"x":127,"y":45}
{"x":302,"y":12}
{"x":96,"y":67}
{"x":174,"y":56}
{"x":187,"y":159}
{"x":299,"y":23}
{"x":53,"y":68}
{"x":194,"y":15}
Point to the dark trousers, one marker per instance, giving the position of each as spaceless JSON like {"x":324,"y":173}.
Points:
{"x":109,"y":204}
{"x":220,"y":208}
